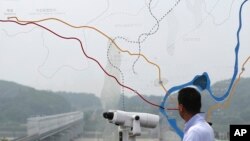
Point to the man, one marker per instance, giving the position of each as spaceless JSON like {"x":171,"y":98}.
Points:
{"x":196,"y":127}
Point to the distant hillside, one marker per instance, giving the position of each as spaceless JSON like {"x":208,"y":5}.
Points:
{"x":238,"y":111}
{"x":19,"y":102}
{"x":136,"y":104}
{"x":82,"y":101}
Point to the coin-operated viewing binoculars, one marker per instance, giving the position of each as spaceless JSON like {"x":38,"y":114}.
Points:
{"x":130,"y":123}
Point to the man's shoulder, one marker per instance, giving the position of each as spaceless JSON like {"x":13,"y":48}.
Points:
{"x":201,"y":126}
{"x":198,"y":133}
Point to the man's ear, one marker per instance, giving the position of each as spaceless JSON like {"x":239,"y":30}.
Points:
{"x":180,"y":107}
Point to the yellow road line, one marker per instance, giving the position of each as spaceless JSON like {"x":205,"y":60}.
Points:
{"x":102,"y":33}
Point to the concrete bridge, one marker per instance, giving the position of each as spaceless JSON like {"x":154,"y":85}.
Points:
{"x":61,"y":127}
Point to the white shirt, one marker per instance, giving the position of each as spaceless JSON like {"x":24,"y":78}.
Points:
{"x":197,"y":129}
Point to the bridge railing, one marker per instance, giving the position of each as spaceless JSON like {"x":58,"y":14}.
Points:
{"x":41,"y":125}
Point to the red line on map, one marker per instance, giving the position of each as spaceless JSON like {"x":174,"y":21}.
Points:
{"x":77,"y":39}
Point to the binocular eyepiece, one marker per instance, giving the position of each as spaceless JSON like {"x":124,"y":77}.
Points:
{"x":108,"y":115}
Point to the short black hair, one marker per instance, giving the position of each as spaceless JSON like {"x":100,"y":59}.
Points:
{"x":190,"y":98}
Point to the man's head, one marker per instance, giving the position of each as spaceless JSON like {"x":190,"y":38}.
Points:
{"x":189,"y":100}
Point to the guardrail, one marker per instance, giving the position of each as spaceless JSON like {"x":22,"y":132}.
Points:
{"x":39,"y":128}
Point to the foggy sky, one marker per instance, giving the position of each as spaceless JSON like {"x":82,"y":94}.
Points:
{"x":196,"y":36}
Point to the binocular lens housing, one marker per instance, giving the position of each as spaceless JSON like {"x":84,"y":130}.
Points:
{"x":108,"y":115}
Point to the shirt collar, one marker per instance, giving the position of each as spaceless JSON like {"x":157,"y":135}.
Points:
{"x":194,"y":120}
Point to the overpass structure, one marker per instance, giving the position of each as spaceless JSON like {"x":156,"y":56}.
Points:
{"x":60,"y":127}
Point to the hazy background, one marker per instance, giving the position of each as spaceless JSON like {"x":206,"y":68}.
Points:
{"x":180,"y":39}
{"x":196,"y":36}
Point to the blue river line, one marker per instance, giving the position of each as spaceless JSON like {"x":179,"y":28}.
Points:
{"x":202,"y":82}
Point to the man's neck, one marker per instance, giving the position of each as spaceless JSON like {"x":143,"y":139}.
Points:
{"x":188,"y":117}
